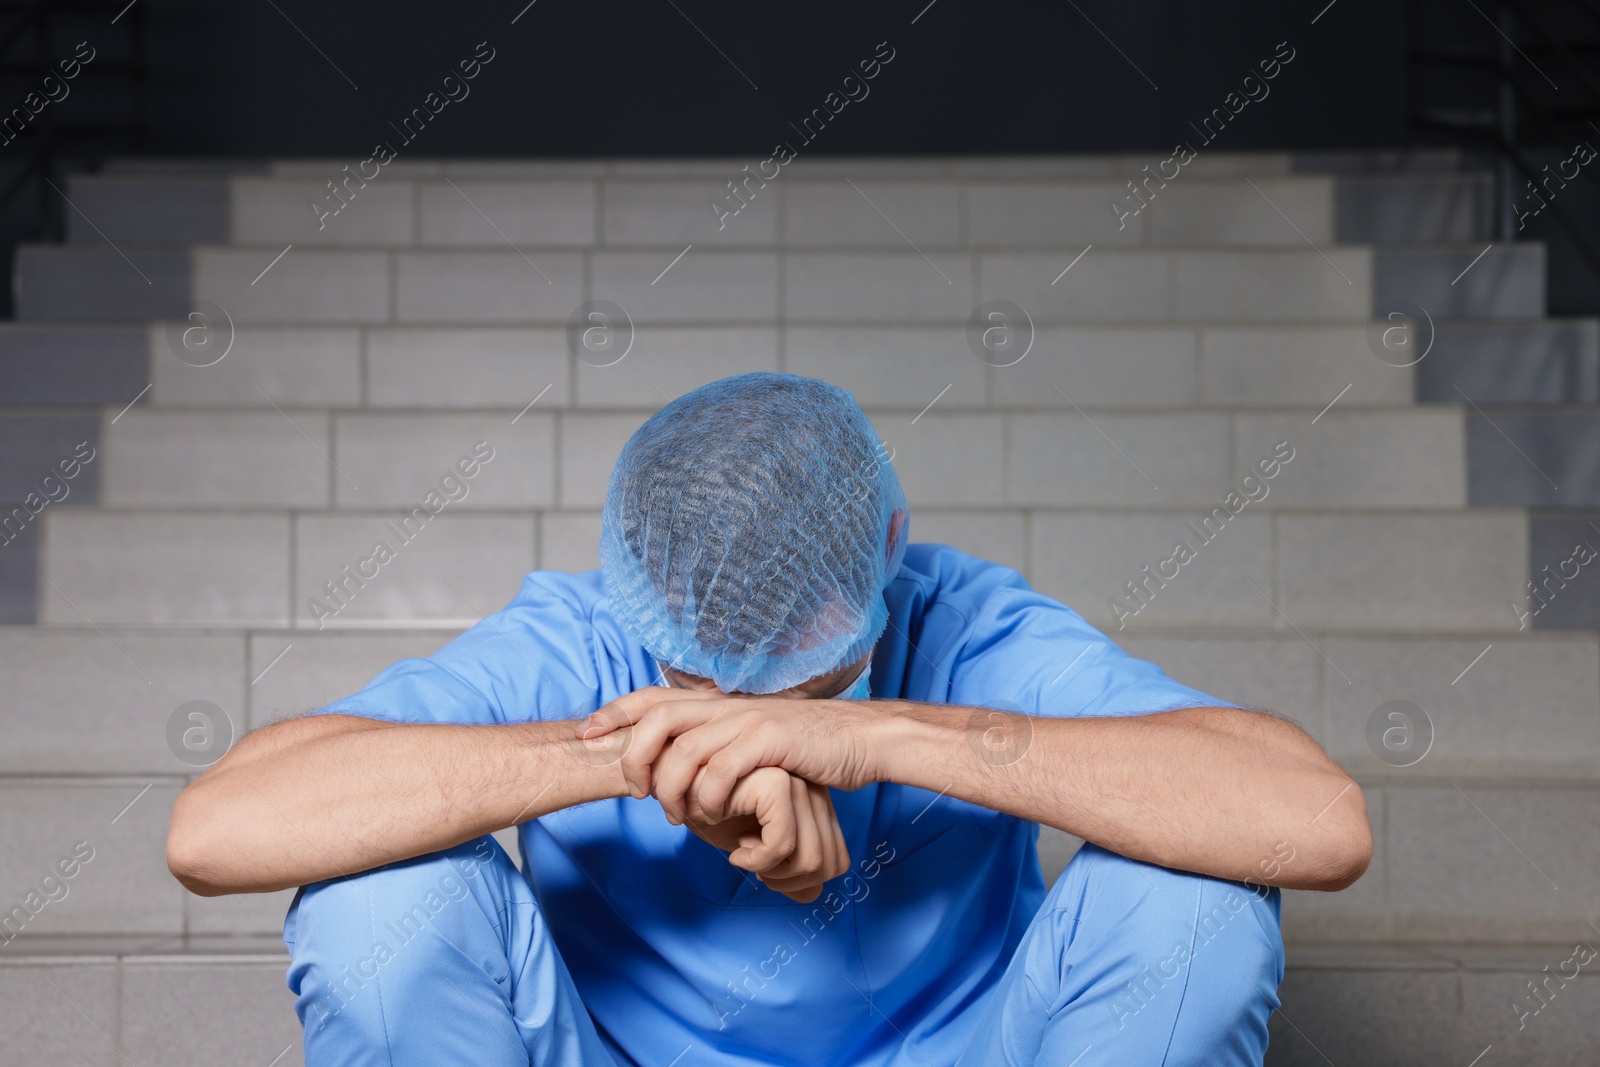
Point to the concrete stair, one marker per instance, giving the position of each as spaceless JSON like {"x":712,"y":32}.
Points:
{"x":1390,"y":559}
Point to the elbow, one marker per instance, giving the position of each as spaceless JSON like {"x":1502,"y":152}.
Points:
{"x":191,"y":857}
{"x":1348,"y":853}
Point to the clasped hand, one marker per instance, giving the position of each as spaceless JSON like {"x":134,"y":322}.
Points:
{"x":749,"y":775}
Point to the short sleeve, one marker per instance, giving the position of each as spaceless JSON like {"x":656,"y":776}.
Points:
{"x":1027,"y":652}
{"x":534,"y":661}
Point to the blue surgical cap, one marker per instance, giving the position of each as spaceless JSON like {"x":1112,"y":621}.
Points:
{"x":750,"y":529}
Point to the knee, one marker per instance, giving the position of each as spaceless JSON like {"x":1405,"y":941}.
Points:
{"x":387,"y":927}
{"x":1170,"y":925}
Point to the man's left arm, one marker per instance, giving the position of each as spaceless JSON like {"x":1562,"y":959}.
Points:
{"x":1218,"y":791}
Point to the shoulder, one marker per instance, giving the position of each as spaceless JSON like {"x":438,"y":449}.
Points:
{"x":941,"y":577}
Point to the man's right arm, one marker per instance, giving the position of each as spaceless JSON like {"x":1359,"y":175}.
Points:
{"x":328,"y":795}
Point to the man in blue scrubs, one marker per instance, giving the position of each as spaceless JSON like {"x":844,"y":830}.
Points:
{"x":778,"y":775}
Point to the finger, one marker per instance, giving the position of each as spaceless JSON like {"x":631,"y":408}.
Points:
{"x":827,"y":832}
{"x":798,"y":889}
{"x":732,"y":761}
{"x":775,"y":811}
{"x":841,"y":851}
{"x":629,"y":708}
{"x":676,"y":771}
{"x":807,"y":858}
{"x":654,"y":729}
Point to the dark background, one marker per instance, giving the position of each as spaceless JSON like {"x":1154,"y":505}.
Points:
{"x":595,"y":79}
{"x":273,"y":79}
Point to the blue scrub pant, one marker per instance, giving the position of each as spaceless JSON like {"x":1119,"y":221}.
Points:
{"x":1125,"y":964}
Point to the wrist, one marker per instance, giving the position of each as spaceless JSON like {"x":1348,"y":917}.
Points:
{"x":902,"y":745}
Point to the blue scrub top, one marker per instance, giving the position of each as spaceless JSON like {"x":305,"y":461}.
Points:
{"x":670,"y":946}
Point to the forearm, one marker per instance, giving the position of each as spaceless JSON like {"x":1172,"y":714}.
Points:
{"x":1217,"y":791}
{"x":330,"y":795}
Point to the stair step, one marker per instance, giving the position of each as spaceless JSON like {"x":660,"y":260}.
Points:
{"x":68,"y":676}
{"x":1341,"y":1004}
{"x":211,"y":459}
{"x":1398,"y":570}
{"x":1534,"y":457}
{"x":101,"y":284}
{"x":198,"y":1006}
{"x":1135,"y":284}
{"x":1537,"y":361}
{"x":1508,"y":281}
{"x":1413,"y":208}
{"x":1563,"y":567}
{"x":146,"y":209}
{"x":73,"y":363}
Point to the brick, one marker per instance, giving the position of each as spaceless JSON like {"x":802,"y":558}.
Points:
{"x":456,"y":569}
{"x":1230,"y":212}
{"x":95,"y":284}
{"x":1255,"y":286}
{"x":569,"y":541}
{"x":34,"y":445}
{"x":1054,"y":214}
{"x":1298,"y":366}
{"x":1116,"y":367}
{"x":272,"y":212}
{"x":1105,"y":285}
{"x":997,"y":536}
{"x":1508,"y":282}
{"x":395,"y":460}
{"x":205,"y":1012}
{"x":589,"y":446}
{"x":832,"y":214}
{"x":1085,"y":559}
{"x":877,"y":287}
{"x":943,"y":459}
{"x":56,"y":363}
{"x":1534,"y":457}
{"x":1279,"y":674}
{"x":668,"y":361}
{"x":1413,"y":208}
{"x":1569,"y":590}
{"x":164,"y":568}
{"x":1440,"y":571}
{"x":492,"y":213}
{"x":1554,"y":1027}
{"x":1527,"y":361}
{"x":65,"y":1024}
{"x":123,"y":887}
{"x":308,"y":285}
{"x":422,"y":367}
{"x":316,"y":669}
{"x":232,"y":459}
{"x":476,"y":288}
{"x":238,"y":914}
{"x":900,"y":366}
{"x":1378,"y":459}
{"x":1346,"y":1016}
{"x":705,"y":286}
{"x":1459,"y":872}
{"x":1073,"y":459}
{"x":672,"y":214}
{"x":77,"y":707}
{"x":1556,"y":733}
{"x":141,"y":209}
{"x":287,"y":366}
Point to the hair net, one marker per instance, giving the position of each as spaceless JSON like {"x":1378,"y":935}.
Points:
{"x":750,"y":528}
